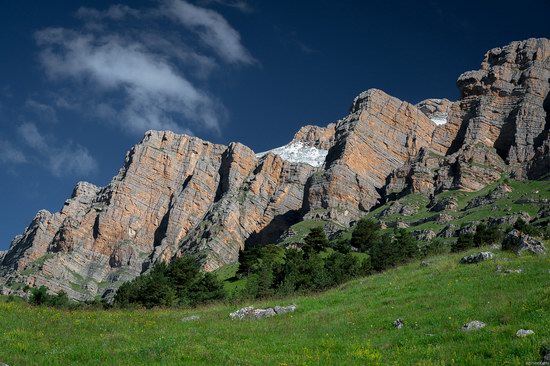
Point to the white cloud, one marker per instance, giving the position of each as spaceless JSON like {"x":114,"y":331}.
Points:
{"x":59,"y":160}
{"x":42,"y":111}
{"x":146,"y":77}
{"x":240,"y":5}
{"x":115,"y":12}
{"x":32,"y":137}
{"x":10,"y":154}
{"x":154,"y":89}
{"x":212,"y":28}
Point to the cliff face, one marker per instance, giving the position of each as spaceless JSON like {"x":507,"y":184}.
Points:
{"x":500,"y":125}
{"x":178,"y":195}
{"x":379,"y":135}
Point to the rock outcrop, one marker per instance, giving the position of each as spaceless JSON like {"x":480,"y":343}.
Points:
{"x":179,"y":195}
{"x":499,"y":125}
{"x":477,"y":258}
{"x":520,"y":242}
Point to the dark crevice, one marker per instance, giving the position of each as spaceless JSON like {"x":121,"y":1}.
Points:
{"x":541,"y":163}
{"x":506,"y":138}
{"x":95,"y":229}
{"x":274,"y":229}
{"x":458,"y":142}
{"x":160,"y":232}
{"x":223,"y":173}
{"x":185,"y":183}
{"x":543,"y":136}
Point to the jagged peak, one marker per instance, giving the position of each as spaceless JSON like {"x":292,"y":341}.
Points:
{"x":84,"y":189}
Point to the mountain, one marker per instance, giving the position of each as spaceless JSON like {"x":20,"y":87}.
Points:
{"x":178,"y":195}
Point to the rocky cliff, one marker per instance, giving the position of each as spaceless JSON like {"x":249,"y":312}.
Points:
{"x":178,"y":195}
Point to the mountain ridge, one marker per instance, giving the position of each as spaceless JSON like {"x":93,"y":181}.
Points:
{"x":178,"y":195}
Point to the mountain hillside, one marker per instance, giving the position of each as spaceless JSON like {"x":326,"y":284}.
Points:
{"x":177,"y":195}
{"x":349,"y":325}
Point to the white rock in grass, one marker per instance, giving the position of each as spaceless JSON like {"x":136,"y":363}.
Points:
{"x":524,"y":333}
{"x":191,"y":318}
{"x":473,"y":325}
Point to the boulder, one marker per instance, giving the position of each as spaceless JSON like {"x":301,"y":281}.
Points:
{"x":500,"y":269}
{"x":545,"y":354}
{"x":284,"y":309}
{"x":477,"y":258}
{"x":520,"y":242}
{"x":424,"y":235}
{"x":447,"y":204}
{"x":473,"y":325}
{"x":501,"y":191}
{"x":191,"y":318}
{"x":250,"y":312}
{"x":449,"y":231}
{"x":524,"y":333}
{"x":399,"y":323}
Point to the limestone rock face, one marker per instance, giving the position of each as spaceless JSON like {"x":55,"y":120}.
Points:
{"x":499,"y":125}
{"x":379,"y":135}
{"x":178,"y":195}
{"x":315,"y":136}
{"x":175,"y":195}
{"x":506,"y":102}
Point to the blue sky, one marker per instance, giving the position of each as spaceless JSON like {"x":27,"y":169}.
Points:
{"x":81,"y":81}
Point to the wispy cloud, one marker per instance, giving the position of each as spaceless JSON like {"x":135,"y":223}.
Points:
{"x":10,"y":154}
{"x":69,"y":159}
{"x":115,"y":12}
{"x":145,"y":77}
{"x":212,"y":28}
{"x":240,"y":5}
{"x":43,"y":111}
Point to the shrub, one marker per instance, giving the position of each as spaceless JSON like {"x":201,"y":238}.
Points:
{"x":316,"y":241}
{"x":527,"y":228}
{"x":434,"y":247}
{"x":366,"y":266}
{"x":39,"y":296}
{"x":342,"y":267}
{"x":341,"y":245}
{"x":365,"y":235}
{"x":392,"y":249}
{"x":382,"y":253}
{"x":463,"y":242}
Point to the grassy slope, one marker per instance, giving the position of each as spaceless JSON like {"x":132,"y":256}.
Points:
{"x":351,"y":325}
{"x":538,"y":190}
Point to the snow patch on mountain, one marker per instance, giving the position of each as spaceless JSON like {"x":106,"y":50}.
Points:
{"x":298,"y":152}
{"x":440,"y":119}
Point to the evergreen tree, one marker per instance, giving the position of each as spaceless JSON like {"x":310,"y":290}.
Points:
{"x":382,"y":253}
{"x":39,"y":296}
{"x":406,"y":246}
{"x":248,"y":258}
{"x":464,"y":241}
{"x":365,"y":235}
{"x":527,"y":228}
{"x":316,"y":241}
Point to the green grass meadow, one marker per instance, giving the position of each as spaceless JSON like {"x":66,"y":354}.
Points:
{"x":350,"y":325}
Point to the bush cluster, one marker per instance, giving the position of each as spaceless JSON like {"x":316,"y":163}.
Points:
{"x":182,"y":282}
{"x":385,"y":250}
{"x":40,"y":296}
{"x":484,"y":235}
{"x":317,"y":265}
